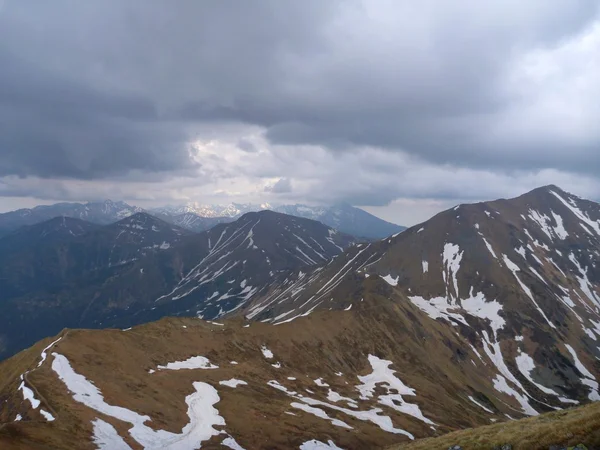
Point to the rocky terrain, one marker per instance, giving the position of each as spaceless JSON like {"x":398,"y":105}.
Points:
{"x":142,"y":268}
{"x":485,"y":314}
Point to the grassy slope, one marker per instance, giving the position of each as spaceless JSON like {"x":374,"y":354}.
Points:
{"x":569,"y":427}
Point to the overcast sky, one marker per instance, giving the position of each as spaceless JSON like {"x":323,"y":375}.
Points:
{"x":402,"y":107}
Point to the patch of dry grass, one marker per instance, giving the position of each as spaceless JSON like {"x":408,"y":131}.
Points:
{"x":568,"y":427}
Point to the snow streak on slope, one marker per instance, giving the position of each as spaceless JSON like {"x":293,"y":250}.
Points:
{"x":451,"y":258}
{"x":514,"y":269}
{"x":203,"y":416}
{"x":106,"y":437}
{"x":382,"y":374}
{"x":589,"y":379}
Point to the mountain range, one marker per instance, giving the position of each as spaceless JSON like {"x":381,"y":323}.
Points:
{"x":142,"y":268}
{"x":290,"y":334}
{"x":198,"y":218}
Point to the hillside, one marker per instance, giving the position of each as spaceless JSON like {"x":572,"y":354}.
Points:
{"x":486,"y":313}
{"x":369,"y":377}
{"x":555,"y":430}
{"x":142,"y":268}
{"x":101,"y":213}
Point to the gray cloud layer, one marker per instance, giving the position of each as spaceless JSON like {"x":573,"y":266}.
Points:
{"x":101,"y":90}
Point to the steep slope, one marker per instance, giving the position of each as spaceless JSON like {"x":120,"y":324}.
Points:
{"x":96,"y":212}
{"x":53,"y":230}
{"x":232,"y":210}
{"x":48,"y":283}
{"x":517,"y":280}
{"x":345,"y":218}
{"x":240,"y":260}
{"x":142,"y":268}
{"x":193,"y":222}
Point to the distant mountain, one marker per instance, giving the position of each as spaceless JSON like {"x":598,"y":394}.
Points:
{"x":192,"y":221}
{"x":239,"y":260}
{"x":196,"y":217}
{"x":96,"y":212}
{"x":54,"y":279}
{"x":142,"y":268}
{"x":53,"y":230}
{"x":232,"y":210}
{"x":346,"y":218}
{"x":343,"y":217}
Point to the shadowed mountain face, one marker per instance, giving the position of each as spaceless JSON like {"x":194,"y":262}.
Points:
{"x":220,"y":270}
{"x":96,"y":212}
{"x":50,"y":274}
{"x":345,"y":218}
{"x":485,"y":313}
{"x":142,"y":268}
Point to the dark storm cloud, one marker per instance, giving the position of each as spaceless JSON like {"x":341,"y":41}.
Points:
{"x":93,"y":90}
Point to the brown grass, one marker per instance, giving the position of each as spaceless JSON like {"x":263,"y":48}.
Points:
{"x":569,"y":427}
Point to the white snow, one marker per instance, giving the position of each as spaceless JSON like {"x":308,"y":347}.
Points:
{"x":501,"y":385}
{"x":232,"y":383}
{"x":526,"y":365}
{"x":489,"y":247}
{"x":514,"y":269}
{"x":320,"y":382}
{"x":277,"y":365}
{"x":106,"y":437}
{"x":231,"y":443}
{"x":266,"y":352}
{"x":580,"y":215}
{"x":321,"y":414}
{"x":589,"y":379}
{"x":425,"y":266}
{"x":437,"y":308}
{"x":584,"y":282}
{"x":494,"y":353}
{"x":391,"y":281}
{"x":542,"y":220}
{"x":28,"y":394}
{"x":348,"y":308}
{"x":383,"y":422}
{"x":195,"y":362}
{"x":18,"y":418}
{"x":478,"y":306}
{"x":559,"y":229}
{"x":451,"y":258}
{"x":480,"y":405}
{"x":49,"y":417}
{"x":318,"y":445}
{"x":203,"y":416}
{"x":384,"y":375}
{"x":333,"y":396}
{"x":44,"y":352}
{"x":521,"y":251}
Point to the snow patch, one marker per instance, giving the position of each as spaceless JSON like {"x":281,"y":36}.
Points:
{"x":195,"y":362}
{"x":233,"y":383}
